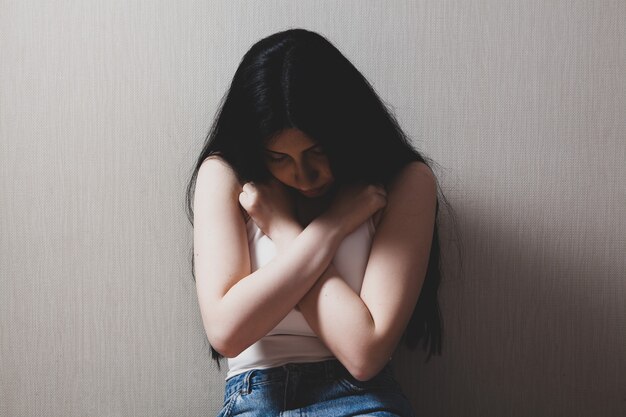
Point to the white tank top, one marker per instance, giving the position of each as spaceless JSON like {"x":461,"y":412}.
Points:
{"x":293,"y":340}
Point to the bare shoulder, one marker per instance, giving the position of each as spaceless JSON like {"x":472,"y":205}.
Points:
{"x":415,"y":181}
{"x":220,"y":241}
{"x":217,"y":178}
{"x":399,"y":254}
{"x":413,"y":171}
{"x":216,"y":166}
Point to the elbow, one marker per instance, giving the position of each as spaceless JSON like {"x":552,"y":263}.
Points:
{"x":227,"y":337}
{"x":361,"y":374}
{"x":225,"y":344}
{"x":226,"y":350}
{"x":365,"y":372}
{"x":366,"y":367}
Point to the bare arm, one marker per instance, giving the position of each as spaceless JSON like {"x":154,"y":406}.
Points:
{"x":239,"y":307}
{"x":363,"y":330}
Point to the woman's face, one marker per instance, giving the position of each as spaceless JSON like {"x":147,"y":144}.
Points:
{"x":298,"y":162}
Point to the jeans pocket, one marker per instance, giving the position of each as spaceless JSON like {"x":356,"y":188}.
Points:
{"x":232,"y":392}
{"x":228,"y":404}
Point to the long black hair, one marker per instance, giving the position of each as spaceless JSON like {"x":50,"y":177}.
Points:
{"x":297,"y":79}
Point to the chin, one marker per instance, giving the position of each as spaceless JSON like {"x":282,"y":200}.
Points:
{"x":311,"y":195}
{"x":323,"y":191}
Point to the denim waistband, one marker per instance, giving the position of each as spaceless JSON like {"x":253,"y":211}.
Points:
{"x":324,"y":370}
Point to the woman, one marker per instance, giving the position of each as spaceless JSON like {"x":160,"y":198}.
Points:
{"x":315,"y":237}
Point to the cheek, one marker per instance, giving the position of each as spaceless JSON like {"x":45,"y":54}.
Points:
{"x":326,"y":171}
{"x":281,"y":175}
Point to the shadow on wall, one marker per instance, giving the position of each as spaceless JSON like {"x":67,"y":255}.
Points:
{"x":535,"y":327}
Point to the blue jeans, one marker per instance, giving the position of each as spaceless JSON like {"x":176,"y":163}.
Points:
{"x":313,"y":389}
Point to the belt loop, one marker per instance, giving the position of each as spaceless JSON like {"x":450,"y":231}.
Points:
{"x":246,"y":389}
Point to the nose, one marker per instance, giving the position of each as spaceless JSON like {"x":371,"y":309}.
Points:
{"x":305,"y":176}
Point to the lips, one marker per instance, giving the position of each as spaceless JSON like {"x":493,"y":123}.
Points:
{"x":314,"y":191}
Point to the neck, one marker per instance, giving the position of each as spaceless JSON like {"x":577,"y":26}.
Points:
{"x":308,"y":208}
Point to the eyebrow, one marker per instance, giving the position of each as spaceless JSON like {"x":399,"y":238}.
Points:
{"x":307,"y":149}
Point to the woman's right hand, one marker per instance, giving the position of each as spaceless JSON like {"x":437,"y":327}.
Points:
{"x":353,"y":204}
{"x":270,"y":205}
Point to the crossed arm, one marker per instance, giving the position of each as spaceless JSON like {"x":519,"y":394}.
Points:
{"x":362,"y":330}
{"x":239,"y":307}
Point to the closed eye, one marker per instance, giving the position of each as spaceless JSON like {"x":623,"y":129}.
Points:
{"x":276,"y":158}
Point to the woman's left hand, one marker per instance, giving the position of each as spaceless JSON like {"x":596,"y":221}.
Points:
{"x":271,"y":206}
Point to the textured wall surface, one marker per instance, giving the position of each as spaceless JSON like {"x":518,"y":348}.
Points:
{"x":104,"y":106}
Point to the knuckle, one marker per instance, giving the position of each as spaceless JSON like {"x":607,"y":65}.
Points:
{"x":250,"y":187}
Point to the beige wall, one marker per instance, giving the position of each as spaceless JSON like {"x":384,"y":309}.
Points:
{"x":104,"y":105}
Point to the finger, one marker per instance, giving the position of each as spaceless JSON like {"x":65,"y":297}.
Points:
{"x":248,"y":187}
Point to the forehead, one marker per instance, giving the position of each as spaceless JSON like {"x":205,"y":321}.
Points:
{"x":290,"y":139}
